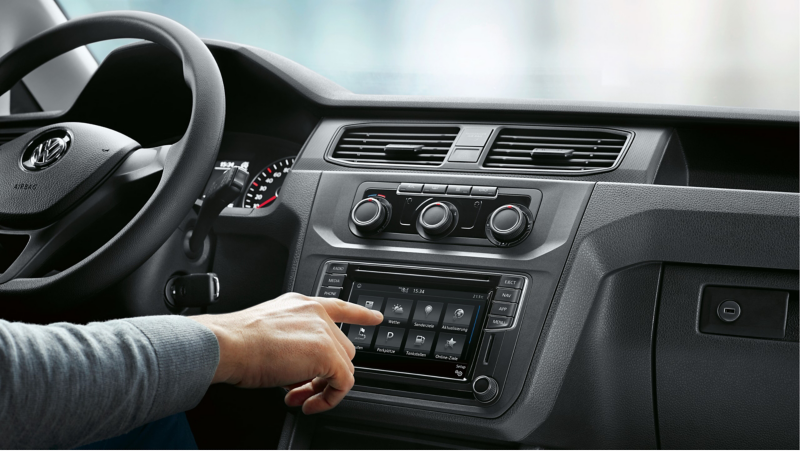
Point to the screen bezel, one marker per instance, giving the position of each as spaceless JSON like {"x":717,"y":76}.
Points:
{"x":422,"y":277}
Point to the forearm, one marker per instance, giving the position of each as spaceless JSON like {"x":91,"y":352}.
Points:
{"x":65,"y":385}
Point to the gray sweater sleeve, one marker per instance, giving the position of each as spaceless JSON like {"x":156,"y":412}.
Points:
{"x":67,"y":385}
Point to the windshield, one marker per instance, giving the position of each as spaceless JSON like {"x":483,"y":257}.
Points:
{"x":741,"y":53}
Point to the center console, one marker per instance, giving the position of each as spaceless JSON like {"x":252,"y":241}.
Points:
{"x":442,"y":327}
{"x":463,"y":269}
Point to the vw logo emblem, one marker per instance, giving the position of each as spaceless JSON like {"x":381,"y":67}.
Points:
{"x":46,"y":149}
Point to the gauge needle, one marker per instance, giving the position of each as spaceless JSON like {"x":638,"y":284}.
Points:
{"x":267,"y":201}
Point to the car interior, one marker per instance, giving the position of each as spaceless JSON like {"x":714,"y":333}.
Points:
{"x":553,"y":274}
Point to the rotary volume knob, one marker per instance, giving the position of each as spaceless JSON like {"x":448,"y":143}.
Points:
{"x":509,"y":225}
{"x":485,"y":389}
{"x":437,"y":220}
{"x":371,"y":215}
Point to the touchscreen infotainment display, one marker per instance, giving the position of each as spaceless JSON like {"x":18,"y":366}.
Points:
{"x":426,"y":331}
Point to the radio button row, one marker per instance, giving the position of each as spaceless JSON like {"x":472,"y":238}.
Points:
{"x":503,"y":308}
{"x":512,"y":281}
{"x":499,"y":322}
{"x":507,"y":295}
{"x":453,"y":190}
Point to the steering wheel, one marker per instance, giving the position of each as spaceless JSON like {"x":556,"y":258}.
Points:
{"x":56,"y":180}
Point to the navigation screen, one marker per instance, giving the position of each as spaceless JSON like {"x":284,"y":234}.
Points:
{"x":425,"y":331}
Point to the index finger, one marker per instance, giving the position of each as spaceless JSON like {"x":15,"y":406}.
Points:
{"x":346,"y":312}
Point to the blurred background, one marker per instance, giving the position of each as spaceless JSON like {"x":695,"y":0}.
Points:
{"x":742,"y":53}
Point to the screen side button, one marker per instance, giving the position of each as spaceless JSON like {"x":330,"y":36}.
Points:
{"x":326,"y":292}
{"x":333,"y":280}
{"x":336,"y":268}
{"x":511,"y":281}
{"x":498,"y":322}
{"x":507,"y":295}
{"x":503,"y":308}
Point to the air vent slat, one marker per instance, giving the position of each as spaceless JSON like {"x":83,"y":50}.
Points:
{"x":354,"y":146}
{"x":383,"y":154}
{"x":407,"y":144}
{"x":565,"y":161}
{"x":551,"y":138}
{"x":527,"y":152}
{"x":540,"y":167}
{"x":397,"y":141}
{"x":382,"y":161}
{"x":402,"y":135}
{"x":558,"y":146}
{"x":591,"y":149}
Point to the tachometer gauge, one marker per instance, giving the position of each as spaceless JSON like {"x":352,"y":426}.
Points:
{"x":266,"y":187}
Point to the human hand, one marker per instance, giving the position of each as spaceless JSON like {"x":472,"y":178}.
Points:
{"x":291,"y":341}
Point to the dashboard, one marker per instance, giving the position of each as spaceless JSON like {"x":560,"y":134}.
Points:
{"x":546,"y":270}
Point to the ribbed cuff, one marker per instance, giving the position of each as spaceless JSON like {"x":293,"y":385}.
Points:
{"x":187,"y":353}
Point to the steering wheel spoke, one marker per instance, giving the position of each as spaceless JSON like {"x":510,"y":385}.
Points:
{"x":64,"y":240}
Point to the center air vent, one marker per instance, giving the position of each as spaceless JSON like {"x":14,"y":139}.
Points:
{"x":556,"y":149}
{"x":395,"y":145}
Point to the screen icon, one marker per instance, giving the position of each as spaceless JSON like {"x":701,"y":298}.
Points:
{"x":419,"y":343}
{"x":389,"y":340}
{"x":457,"y":317}
{"x":361,"y":336}
{"x":427,"y":314}
{"x":397,"y":311}
{"x":450,"y":346}
{"x":370,"y":302}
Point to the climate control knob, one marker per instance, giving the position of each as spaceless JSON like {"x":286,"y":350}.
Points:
{"x":371,"y":215}
{"x":509,"y":225}
{"x":437,"y":220}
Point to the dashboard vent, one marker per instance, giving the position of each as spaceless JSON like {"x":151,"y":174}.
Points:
{"x":556,"y":149}
{"x":10,"y":134}
{"x":395,"y":145}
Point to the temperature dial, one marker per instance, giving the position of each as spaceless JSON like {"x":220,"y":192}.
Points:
{"x":371,"y":215}
{"x":437,"y":220}
{"x":509,"y":225}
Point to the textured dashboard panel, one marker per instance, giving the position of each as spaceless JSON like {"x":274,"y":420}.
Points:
{"x":607,"y":391}
{"x":716,"y":391}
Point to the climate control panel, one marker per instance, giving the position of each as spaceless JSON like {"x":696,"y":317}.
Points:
{"x":450,"y":214}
